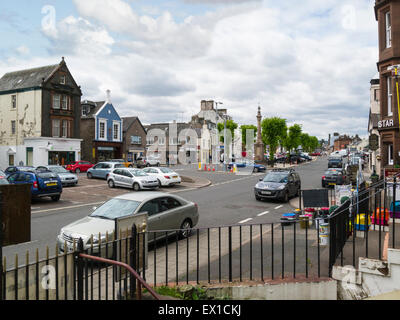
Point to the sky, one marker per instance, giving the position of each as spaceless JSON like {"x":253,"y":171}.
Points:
{"x":308,"y":61}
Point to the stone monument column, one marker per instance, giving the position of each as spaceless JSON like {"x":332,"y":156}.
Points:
{"x":259,"y":145}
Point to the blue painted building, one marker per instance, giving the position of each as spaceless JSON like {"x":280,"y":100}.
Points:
{"x":101,"y":131}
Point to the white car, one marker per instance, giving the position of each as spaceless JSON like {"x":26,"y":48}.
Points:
{"x":131,"y":178}
{"x":165,"y":176}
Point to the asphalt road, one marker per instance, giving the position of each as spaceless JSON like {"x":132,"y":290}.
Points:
{"x":229,"y":200}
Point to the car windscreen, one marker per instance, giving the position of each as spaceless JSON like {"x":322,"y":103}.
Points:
{"x":332,"y":172}
{"x":335,"y":160}
{"x":58,"y":170}
{"x":46,"y":175}
{"x":138,"y":173}
{"x":276,"y":177}
{"x":116,"y":208}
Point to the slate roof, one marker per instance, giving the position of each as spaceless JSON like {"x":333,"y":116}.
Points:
{"x":25,"y":79}
{"x":95,"y":106}
{"x":128,"y":121}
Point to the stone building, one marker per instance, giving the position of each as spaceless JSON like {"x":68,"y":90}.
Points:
{"x":39,"y":117}
{"x":134,"y":139}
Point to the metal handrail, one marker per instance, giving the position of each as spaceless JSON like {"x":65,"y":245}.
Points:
{"x":130,"y":269}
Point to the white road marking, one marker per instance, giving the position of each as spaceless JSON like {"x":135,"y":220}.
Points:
{"x":278,"y":207}
{"x":71,"y":207}
{"x":244,"y":221}
{"x":262,"y":214}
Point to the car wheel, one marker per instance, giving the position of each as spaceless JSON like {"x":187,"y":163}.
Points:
{"x":111,"y":183}
{"x":158,"y":164}
{"x":286,"y":197}
{"x":130,"y":166}
{"x":136,"y":186}
{"x":258,"y":198}
{"x":55,"y":198}
{"x":148,"y":165}
{"x":78,"y":171}
{"x":89,"y":175}
{"x":185,"y":229}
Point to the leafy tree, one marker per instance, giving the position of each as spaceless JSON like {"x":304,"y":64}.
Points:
{"x":247,"y":127}
{"x":273,"y":132}
{"x":292,"y":140}
{"x":230,"y":125}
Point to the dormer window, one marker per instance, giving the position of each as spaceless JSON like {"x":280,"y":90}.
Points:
{"x":85,"y":110}
{"x":63,"y":79}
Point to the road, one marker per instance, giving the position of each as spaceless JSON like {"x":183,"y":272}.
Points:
{"x":229,"y":200}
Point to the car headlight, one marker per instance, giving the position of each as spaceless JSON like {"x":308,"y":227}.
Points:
{"x":281,"y":187}
{"x":96,"y":240}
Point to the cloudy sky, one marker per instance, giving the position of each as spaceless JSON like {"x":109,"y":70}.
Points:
{"x":308,"y":61}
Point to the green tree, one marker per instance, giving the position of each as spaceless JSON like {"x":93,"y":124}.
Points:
{"x":230,"y":125}
{"x":305,"y":141}
{"x":273,"y":132}
{"x":247,"y":127}
{"x":292,"y":140}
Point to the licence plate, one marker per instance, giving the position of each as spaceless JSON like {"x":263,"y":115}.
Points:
{"x":266,"y":192}
{"x":332,"y":184}
{"x":51,"y":184}
{"x":175,"y":177}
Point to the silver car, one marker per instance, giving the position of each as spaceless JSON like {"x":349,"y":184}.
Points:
{"x":67,"y":178}
{"x":165,"y":212}
{"x":131,"y":178}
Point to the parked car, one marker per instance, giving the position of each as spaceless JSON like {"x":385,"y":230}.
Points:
{"x":103,"y":169}
{"x":152,"y":161}
{"x":125,"y":163}
{"x":67,"y":178}
{"x":3,"y":178}
{"x":140,"y":162}
{"x":335,"y":162}
{"x":164,"y":176}
{"x":305,"y":156}
{"x":131,"y":178}
{"x":165,"y":212}
{"x":44,"y":183}
{"x":295,"y":158}
{"x":278,"y":184}
{"x":79,"y":166}
{"x":333,"y":177}
{"x":14,"y":169}
{"x":243,"y":163}
{"x":315,"y":154}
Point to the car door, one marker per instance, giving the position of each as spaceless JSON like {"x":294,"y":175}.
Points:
{"x":118,"y":177}
{"x":105,"y":170}
{"x":96,"y":170}
{"x":152,"y":207}
{"x":127,"y":178}
{"x":171,"y":213}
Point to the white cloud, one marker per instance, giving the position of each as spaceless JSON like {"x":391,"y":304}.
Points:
{"x":299,"y":61}
{"x":23,"y":50}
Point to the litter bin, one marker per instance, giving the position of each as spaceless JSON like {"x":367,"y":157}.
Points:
{"x":304,"y":221}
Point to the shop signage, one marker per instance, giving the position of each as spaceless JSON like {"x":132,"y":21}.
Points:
{"x":105,"y":148}
{"x":373,"y":142}
{"x":385,"y":123}
{"x":389,"y":173}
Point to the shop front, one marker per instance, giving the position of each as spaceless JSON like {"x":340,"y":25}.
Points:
{"x":51,"y":151}
{"x":134,"y":154}
{"x":105,"y":151}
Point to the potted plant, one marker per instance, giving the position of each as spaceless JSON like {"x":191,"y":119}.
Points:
{"x":374,"y":177}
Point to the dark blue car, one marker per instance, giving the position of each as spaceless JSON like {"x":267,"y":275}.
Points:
{"x":243,"y":163}
{"x":14,"y":169}
{"x":44,"y":183}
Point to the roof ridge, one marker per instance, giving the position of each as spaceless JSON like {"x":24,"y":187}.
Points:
{"x":32,"y":69}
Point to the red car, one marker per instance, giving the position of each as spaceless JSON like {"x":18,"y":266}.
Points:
{"x":79,"y":166}
{"x":315,"y":154}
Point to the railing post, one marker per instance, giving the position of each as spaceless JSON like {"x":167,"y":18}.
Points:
{"x":79,"y":264}
{"x":132,"y":285}
{"x":394,"y":212}
{"x":1,"y":247}
{"x":230,"y":254}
